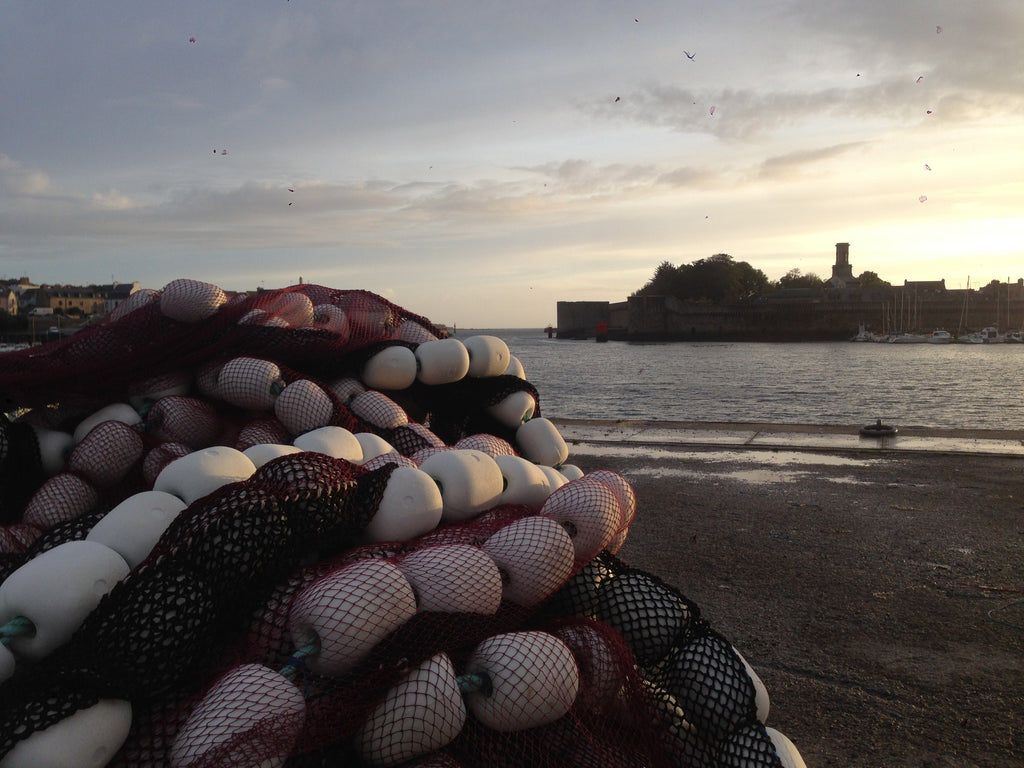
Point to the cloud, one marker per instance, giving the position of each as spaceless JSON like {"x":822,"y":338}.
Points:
{"x":112,"y":200}
{"x":792,"y":164}
{"x":17,"y":180}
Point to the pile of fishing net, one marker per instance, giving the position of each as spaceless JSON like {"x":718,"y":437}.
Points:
{"x":306,"y":528}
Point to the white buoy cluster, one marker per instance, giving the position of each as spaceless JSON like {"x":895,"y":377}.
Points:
{"x":485,"y":527}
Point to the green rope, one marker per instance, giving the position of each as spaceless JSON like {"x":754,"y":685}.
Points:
{"x":297,"y":661}
{"x":474,"y":684}
{"x":19,"y":626}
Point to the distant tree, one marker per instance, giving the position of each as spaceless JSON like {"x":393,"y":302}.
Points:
{"x":872,"y":280}
{"x":716,"y":279}
{"x":664,"y":283}
{"x":752,"y":281}
{"x":793,"y":279}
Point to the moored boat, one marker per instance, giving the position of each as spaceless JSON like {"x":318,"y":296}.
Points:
{"x":987,"y":335}
{"x":909,"y":338}
{"x":939,"y":336}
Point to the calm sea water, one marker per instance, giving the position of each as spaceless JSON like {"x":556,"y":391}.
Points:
{"x":959,"y":386}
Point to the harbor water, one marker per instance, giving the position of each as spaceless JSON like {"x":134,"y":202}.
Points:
{"x":955,"y":386}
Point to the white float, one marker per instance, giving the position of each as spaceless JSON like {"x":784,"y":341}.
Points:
{"x":421,"y":714}
{"x":488,"y":356}
{"x":137,"y":300}
{"x":390,"y":369}
{"x":336,"y":442}
{"x":114,"y":412}
{"x":331,"y":318}
{"x":346,"y":389}
{"x":255,"y":317}
{"x":453,"y":578}
{"x":621,"y":488}
{"x":188,"y":420}
{"x":372,"y":445}
{"x":571,"y":472}
{"x":627,"y":502}
{"x":555,"y":478}
{"x":261,"y":453}
{"x":202,"y":472}
{"x":650,"y":616}
{"x":788,"y":754}
{"x":410,"y":506}
{"x":294,"y":308}
{"x":602,"y":673}
{"x":56,"y":590}
{"x":302,"y":406}
{"x":515,"y":368}
{"x":470,"y":482}
{"x":514,"y":409}
{"x":540,"y":441}
{"x":443,"y":361}
{"x":90,"y":738}
{"x":535,"y":555}
{"x":61,"y":498}
{"x":390,"y":458}
{"x":191,"y":300}
{"x":414,"y":333}
{"x":54,"y":448}
{"x":348,"y":612}
{"x":492,"y":445}
{"x":532,"y":680}
{"x":250,"y":382}
{"x":589,"y":512}
{"x":525,"y":482}
{"x":207,"y":380}
{"x":135,"y":525}
{"x":107,"y":453}
{"x":761,"y":699}
{"x":378,"y":409}
{"x":711,"y":684}
{"x":149,"y":391}
{"x":261,"y":708}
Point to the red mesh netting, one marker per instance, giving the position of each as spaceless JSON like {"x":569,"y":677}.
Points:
{"x":265,"y":626}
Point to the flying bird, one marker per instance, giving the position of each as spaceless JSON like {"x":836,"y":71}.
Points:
{"x":920,"y":78}
{"x":689,"y":55}
{"x":191,"y":39}
{"x":617,"y":98}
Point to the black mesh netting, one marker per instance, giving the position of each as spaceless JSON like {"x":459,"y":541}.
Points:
{"x":266,"y":626}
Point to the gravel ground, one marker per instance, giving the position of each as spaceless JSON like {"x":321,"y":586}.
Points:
{"x":880,"y":596}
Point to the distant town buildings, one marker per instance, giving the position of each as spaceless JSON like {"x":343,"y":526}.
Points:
{"x":833,"y":310}
{"x":23,"y":297}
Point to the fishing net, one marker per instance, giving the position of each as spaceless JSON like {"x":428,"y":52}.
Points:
{"x":265,"y":627}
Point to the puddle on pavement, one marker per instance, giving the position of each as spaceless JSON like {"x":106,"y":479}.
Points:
{"x":752,"y":476}
{"x":736,"y":457}
{"x":770,"y":466}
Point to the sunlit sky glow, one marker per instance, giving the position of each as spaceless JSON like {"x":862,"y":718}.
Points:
{"x":470,"y":161}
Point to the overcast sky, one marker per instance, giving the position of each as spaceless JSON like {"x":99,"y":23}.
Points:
{"x":478,"y":161}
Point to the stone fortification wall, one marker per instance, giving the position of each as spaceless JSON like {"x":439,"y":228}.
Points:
{"x":579,"y":319}
{"x":821,"y":319}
